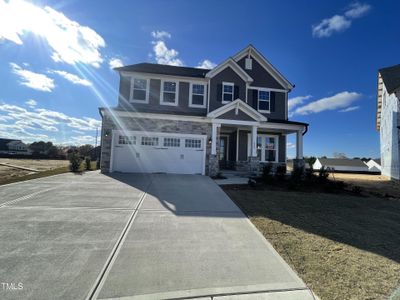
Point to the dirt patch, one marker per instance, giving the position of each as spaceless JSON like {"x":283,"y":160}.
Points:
{"x":374,"y":184}
{"x":37,"y":164}
{"x":343,"y":247}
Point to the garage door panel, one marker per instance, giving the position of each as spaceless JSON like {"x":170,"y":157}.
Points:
{"x":158,"y":152}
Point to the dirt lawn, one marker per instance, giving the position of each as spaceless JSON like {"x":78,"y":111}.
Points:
{"x":374,"y":184}
{"x":342,"y":246}
{"x":7,"y":173}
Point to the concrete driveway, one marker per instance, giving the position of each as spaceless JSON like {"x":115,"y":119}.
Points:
{"x":134,"y":236}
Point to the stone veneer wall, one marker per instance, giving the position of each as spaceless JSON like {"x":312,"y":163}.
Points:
{"x":151,"y":125}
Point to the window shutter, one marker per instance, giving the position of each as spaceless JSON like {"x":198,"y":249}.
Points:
{"x":236,"y":92}
{"x":254,"y":102}
{"x":219,"y":92}
{"x":272,"y":96}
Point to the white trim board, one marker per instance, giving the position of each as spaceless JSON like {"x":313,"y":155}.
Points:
{"x":238,"y":104}
{"x":234,"y":66}
{"x":255,"y":54}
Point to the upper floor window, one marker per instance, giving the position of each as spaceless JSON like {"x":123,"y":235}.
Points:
{"x":140,"y":90}
{"x":169,"y":93}
{"x":197,"y":96}
{"x":264,"y":101}
{"x":227,"y":92}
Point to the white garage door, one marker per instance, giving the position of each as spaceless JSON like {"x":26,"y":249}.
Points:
{"x":145,"y":152}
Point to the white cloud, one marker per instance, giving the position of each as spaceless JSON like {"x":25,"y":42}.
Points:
{"x":328,"y":26}
{"x":339,"y":23}
{"x":70,"y":42}
{"x":160,"y":35}
{"x":290,"y":145}
{"x":115,"y":63}
{"x":340,"y":100}
{"x":72,"y":77}
{"x":39,"y":123}
{"x":295,"y":101}
{"x":31,"y":103}
{"x":83,"y":139}
{"x":33,"y":80}
{"x":206,"y":64}
{"x":166,"y":56}
{"x":351,"y":108}
{"x":357,"y":10}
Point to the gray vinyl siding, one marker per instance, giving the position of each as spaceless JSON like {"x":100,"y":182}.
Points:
{"x":227,"y":75}
{"x":278,"y":104}
{"x":231,"y":115}
{"x":260,"y":76}
{"x":154,"y":105}
{"x":243,"y":145}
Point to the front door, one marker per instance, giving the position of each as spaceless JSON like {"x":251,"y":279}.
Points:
{"x":223,"y":151}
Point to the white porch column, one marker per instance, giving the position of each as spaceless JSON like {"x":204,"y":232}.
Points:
{"x":214,"y":138}
{"x":299,"y":144}
{"x":254,"y":141}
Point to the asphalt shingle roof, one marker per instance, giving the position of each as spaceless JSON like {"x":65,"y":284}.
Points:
{"x":331,"y":162}
{"x":165,"y":69}
{"x":391,"y":78}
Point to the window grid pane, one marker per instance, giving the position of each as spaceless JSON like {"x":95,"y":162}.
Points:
{"x":149,"y":141}
{"x":127,"y":140}
{"x":192,"y":143}
{"x":169,"y":86}
{"x":198,"y":89}
{"x":172,"y":142}
{"x":227,"y":92}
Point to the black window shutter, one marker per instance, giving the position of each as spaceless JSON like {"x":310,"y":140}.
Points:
{"x":236,"y":92}
{"x":272,"y":97}
{"x":254,"y":102}
{"x":219,"y":92}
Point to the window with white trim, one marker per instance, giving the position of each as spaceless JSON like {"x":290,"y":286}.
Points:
{"x":192,"y":143}
{"x":267,"y":147}
{"x":126,"y":140}
{"x":149,"y":141}
{"x":169,"y":92}
{"x":172,"y":142}
{"x":139,"y":91}
{"x":227,"y":92}
{"x":264,"y":100}
{"x":197,"y":95}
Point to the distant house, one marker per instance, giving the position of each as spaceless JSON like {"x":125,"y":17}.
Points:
{"x":11,"y":146}
{"x":387,"y":119}
{"x":341,"y":164}
{"x":374,"y":165}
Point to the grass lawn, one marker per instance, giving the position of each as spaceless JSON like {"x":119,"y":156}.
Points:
{"x":342,"y":246}
{"x":23,"y":175}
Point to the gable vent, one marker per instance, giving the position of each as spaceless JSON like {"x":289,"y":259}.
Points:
{"x":248,"y":64}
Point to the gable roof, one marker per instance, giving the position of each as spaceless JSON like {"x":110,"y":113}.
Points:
{"x":238,"y":104}
{"x":234,"y":66}
{"x":4,"y":142}
{"x":251,"y":50}
{"x":332,"y":162}
{"x":391,"y":78}
{"x":165,"y":70}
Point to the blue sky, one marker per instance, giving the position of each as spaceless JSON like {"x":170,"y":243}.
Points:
{"x":55,"y":60}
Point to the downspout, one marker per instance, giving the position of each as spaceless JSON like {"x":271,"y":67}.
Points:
{"x":306,"y":130}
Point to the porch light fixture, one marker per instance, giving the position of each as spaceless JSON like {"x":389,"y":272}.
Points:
{"x":209,"y":141}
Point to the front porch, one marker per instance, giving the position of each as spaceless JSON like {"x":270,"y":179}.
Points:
{"x":242,"y":139}
{"x":248,"y":148}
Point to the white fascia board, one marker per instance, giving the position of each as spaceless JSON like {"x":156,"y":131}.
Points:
{"x":265,"y":63}
{"x":238,"y":103}
{"x":289,"y":127}
{"x":235,"y":67}
{"x":145,"y":75}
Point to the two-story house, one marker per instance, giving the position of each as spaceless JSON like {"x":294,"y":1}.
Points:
{"x":196,"y":121}
{"x":388,"y":121}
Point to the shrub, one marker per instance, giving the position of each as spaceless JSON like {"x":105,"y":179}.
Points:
{"x":309,"y":173}
{"x":252,"y":183}
{"x":297,"y":174}
{"x":266,"y":173}
{"x":88,"y":163}
{"x":280,"y":172}
{"x":323,"y":174}
{"x":74,"y":161}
